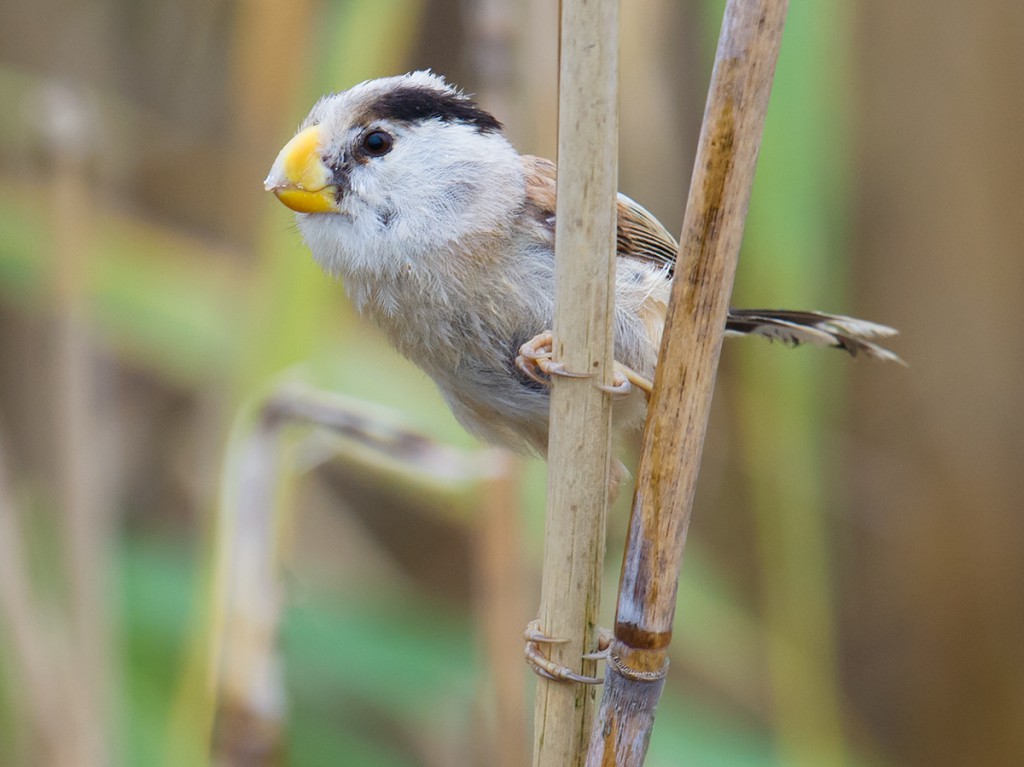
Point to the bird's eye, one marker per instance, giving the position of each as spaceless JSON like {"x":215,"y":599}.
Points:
{"x":377,"y":143}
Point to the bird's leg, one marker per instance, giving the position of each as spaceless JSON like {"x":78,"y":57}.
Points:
{"x":542,"y":666}
{"x":535,"y":361}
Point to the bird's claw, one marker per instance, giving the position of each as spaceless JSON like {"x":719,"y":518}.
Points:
{"x":620,"y":385}
{"x":534,"y":634}
{"x":535,"y":361}
{"x":626,"y":378}
{"x":544,"y":667}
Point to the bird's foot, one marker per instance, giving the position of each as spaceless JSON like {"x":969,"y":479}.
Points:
{"x":544,"y":667}
{"x":535,"y":361}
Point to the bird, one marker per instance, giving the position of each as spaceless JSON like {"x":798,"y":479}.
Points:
{"x":443,"y":234}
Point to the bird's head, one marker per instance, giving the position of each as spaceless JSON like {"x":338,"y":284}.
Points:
{"x":393,"y":170}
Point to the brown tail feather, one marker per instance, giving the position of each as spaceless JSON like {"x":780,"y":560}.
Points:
{"x":797,"y":327}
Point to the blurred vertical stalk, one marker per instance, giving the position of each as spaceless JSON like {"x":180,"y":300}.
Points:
{"x":662,"y":91}
{"x":579,"y":445}
{"x":35,"y":657}
{"x":71,"y":129}
{"x":536,"y":59}
{"x":250,"y":700}
{"x":512,"y":49}
{"x":271,"y":51}
{"x":491,"y":43}
{"x":787,"y":498}
{"x":784,"y":406}
{"x":501,"y":612}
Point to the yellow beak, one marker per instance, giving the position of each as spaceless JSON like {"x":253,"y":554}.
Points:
{"x":300,"y":179}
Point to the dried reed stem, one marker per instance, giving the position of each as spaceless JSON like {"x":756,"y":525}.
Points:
{"x":250,"y":705}
{"x":87,"y":521}
{"x":677,"y":419}
{"x":32,"y":653}
{"x":501,"y":609}
{"x":579,"y":442}
{"x":250,"y":699}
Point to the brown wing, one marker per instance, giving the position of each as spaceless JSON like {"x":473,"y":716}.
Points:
{"x":540,"y":195}
{"x":639,"y":234}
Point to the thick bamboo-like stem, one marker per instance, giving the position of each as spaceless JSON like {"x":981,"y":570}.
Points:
{"x":709,"y":247}
{"x":579,"y":442}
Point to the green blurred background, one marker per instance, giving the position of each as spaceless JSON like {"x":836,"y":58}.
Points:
{"x":853,"y":590}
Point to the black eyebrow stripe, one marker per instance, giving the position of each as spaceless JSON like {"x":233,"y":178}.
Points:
{"x":416,"y":104}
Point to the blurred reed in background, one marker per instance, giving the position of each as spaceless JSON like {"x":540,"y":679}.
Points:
{"x":852,"y":594}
